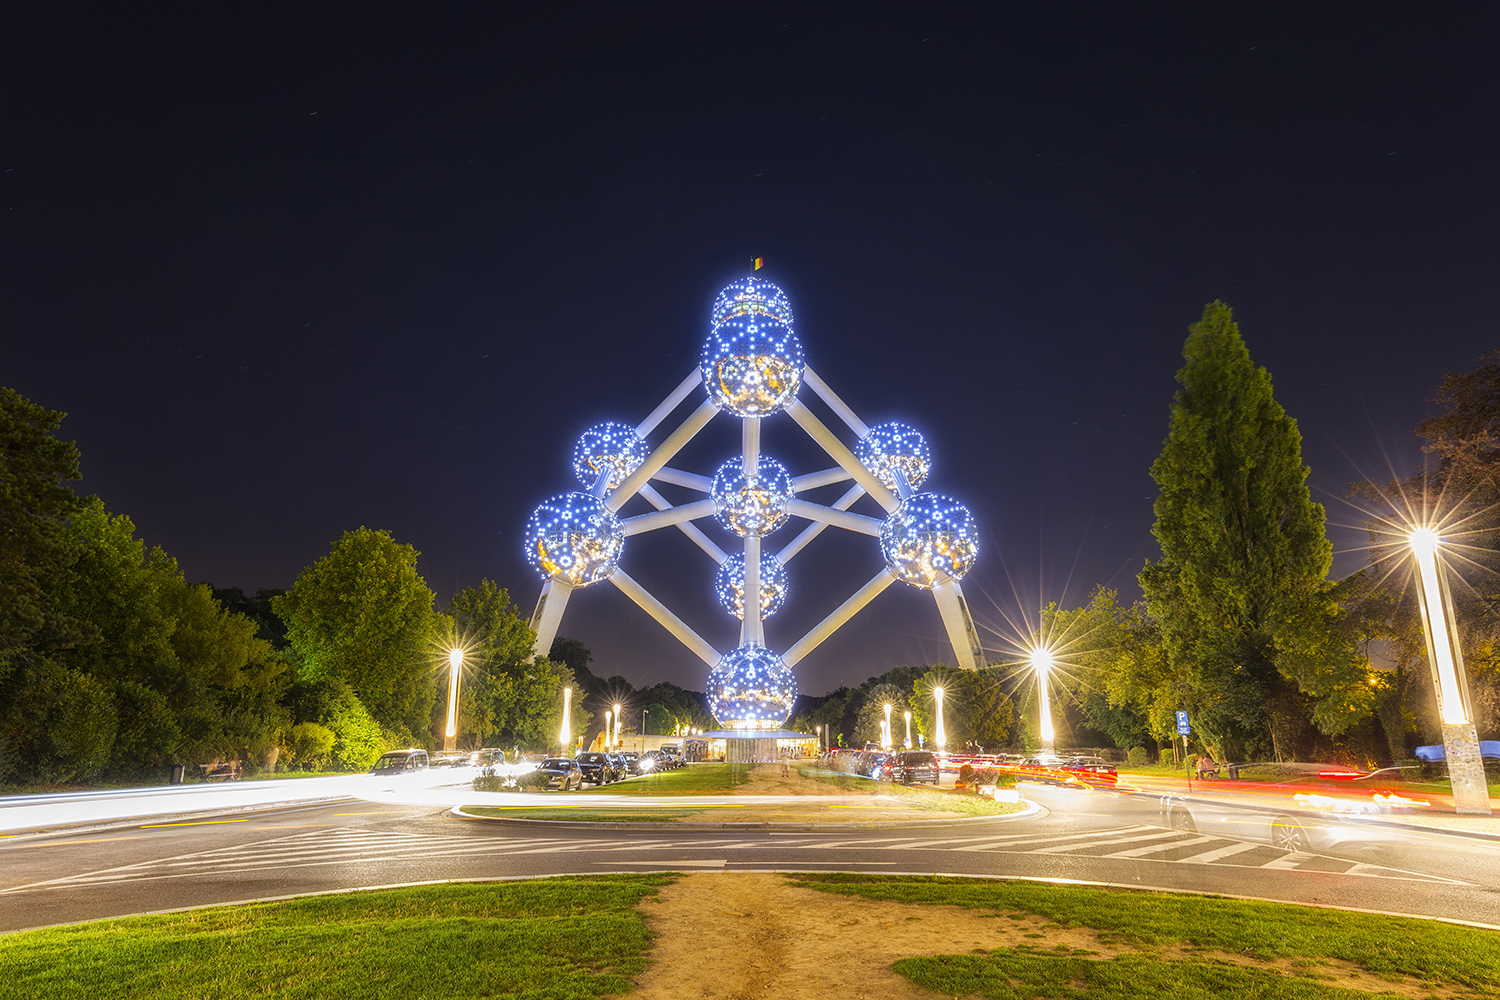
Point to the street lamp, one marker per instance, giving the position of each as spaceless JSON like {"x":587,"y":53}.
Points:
{"x":607,"y":716}
{"x":887,"y":745}
{"x":616,"y":741}
{"x":819,"y":731}
{"x":908,"y":730}
{"x":643,"y":730}
{"x":940,"y":737}
{"x":566,"y":733}
{"x":1041,"y":662}
{"x":455,"y":665}
{"x":1449,"y":682}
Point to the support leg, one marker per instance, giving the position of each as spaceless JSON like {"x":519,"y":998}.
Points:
{"x":548,"y":614}
{"x":960,"y":626}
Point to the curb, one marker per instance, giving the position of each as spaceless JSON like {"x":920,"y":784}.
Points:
{"x":1033,"y":809}
{"x":135,"y":821}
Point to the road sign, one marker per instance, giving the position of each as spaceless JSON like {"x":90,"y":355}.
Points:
{"x":1183,"y":729}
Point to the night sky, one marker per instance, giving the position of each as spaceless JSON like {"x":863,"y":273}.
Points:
{"x":294,"y":269}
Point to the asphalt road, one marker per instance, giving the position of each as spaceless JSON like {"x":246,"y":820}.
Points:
{"x":1087,"y":836}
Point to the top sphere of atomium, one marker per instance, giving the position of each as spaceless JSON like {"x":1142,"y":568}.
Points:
{"x":752,"y":505}
{"x":751,"y":688}
{"x":608,"y":446}
{"x":575,"y":538}
{"x":929,"y":538}
{"x":895,"y":447}
{"x":752,"y":361}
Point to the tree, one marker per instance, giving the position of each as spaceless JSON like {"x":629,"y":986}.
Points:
{"x":1248,"y":619}
{"x":363,"y":614}
{"x":869,"y":726}
{"x":36,"y":551}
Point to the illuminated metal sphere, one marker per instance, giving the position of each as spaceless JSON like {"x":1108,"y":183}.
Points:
{"x":750,"y":295}
{"x":927,"y":538}
{"x":730,"y":585}
{"x":751,"y":689}
{"x":610,"y":444}
{"x":752,"y":506}
{"x":892,"y":446}
{"x":575,"y":537}
{"x":752,"y":361}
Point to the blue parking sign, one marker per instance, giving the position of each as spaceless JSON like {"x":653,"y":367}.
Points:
{"x":1182,"y":724}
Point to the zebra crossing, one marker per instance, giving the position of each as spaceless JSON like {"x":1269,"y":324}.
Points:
{"x":361,"y":847}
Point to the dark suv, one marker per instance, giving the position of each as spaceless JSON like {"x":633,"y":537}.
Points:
{"x":914,"y":766}
{"x":597,"y":768}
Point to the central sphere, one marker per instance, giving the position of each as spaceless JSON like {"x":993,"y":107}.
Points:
{"x":751,"y":688}
{"x":928,"y":538}
{"x":730,"y":585}
{"x":752,"y":506}
{"x":574,"y":537}
{"x":752,"y":361}
{"x":610,"y":445}
{"x":893,"y":446}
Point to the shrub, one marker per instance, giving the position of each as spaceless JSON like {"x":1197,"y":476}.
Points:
{"x":966,"y":774}
{"x":309,"y":745}
{"x":1137,"y":756}
{"x":148,"y":732}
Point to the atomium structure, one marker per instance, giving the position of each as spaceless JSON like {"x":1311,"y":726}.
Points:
{"x":751,"y":369}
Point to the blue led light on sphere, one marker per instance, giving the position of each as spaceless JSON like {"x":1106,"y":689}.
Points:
{"x":895,"y":446}
{"x":574,"y":537}
{"x":612,"y":445}
{"x":928,"y":538}
{"x":751,"y":688}
{"x":752,"y":360}
{"x":729,"y":584}
{"x":752,"y":506}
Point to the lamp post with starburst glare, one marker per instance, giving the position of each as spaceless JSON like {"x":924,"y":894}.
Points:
{"x":1449,"y":681}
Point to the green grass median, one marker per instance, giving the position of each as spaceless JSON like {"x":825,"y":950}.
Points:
{"x":695,"y":779}
{"x":547,"y":939}
{"x":1163,"y":931}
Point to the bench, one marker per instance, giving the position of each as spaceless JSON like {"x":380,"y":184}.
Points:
{"x":221,"y":770}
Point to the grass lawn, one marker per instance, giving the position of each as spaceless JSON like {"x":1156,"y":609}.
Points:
{"x":1440,"y":956}
{"x":548,"y":939}
{"x":920,"y":798}
{"x":695,"y":779}
{"x":624,"y":814}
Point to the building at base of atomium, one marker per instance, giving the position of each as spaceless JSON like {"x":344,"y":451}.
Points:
{"x":752,"y":369}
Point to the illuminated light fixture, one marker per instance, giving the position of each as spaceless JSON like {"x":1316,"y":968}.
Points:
{"x":730,"y":585}
{"x":576,"y":538}
{"x":888,"y":738}
{"x":908,"y":731}
{"x":608,"y":715}
{"x":752,"y":505}
{"x":455,"y":666}
{"x":928,"y":540}
{"x":1460,"y":740}
{"x":617,"y":723}
{"x":940,"y":737}
{"x":1041,"y":662}
{"x":565,"y":735}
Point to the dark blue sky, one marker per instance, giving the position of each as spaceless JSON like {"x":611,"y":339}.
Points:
{"x":296,"y":269}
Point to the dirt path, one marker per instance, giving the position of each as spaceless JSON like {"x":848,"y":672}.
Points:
{"x":751,"y":936}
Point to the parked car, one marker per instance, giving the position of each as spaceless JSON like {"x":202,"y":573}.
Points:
{"x":400,"y":762}
{"x":562,"y":773}
{"x":621,"y":767}
{"x":914,"y":766}
{"x":632,"y":761}
{"x":878,"y":766}
{"x":597,"y":768}
{"x":449,"y":760}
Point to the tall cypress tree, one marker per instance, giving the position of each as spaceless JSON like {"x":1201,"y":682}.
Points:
{"x":1249,"y":621}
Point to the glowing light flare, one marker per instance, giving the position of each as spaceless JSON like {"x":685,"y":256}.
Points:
{"x":886,"y":742}
{"x":1041,"y":662}
{"x":751,"y":688}
{"x":928,"y":539}
{"x":891,"y":447}
{"x":752,"y":505}
{"x":1424,"y":546}
{"x":940,"y":737}
{"x":455,"y":667}
{"x":729,"y":584}
{"x":575,"y":537}
{"x":617,"y":724}
{"x":908,"y":731}
{"x":612,"y":447}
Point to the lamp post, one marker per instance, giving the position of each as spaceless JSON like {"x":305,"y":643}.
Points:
{"x":940,"y":737}
{"x":908,"y":731}
{"x":566,"y":733}
{"x":607,"y":716}
{"x":455,"y":666}
{"x":643,"y":730}
{"x":819,"y":731}
{"x":887,"y":741}
{"x":1449,"y":681}
{"x":1041,"y":662}
{"x":616,"y":740}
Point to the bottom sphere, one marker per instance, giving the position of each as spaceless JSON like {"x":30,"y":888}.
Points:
{"x":751,"y":689}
